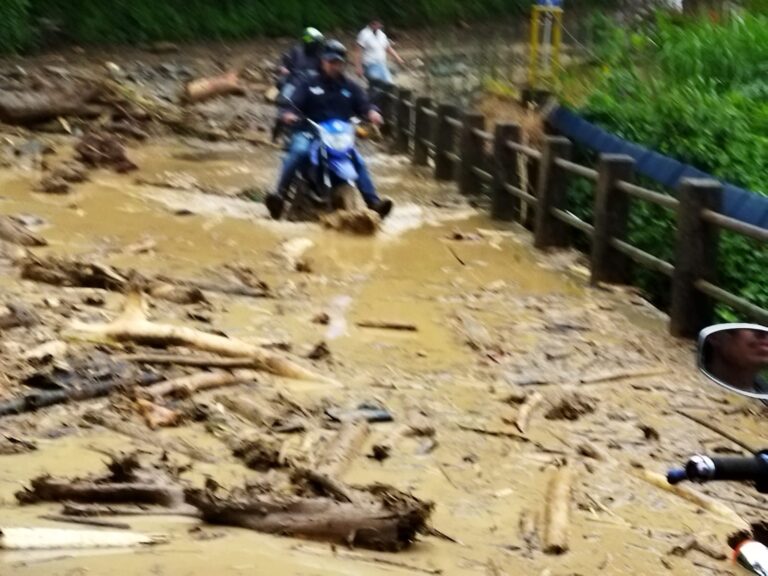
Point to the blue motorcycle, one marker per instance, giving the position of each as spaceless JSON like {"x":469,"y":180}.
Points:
{"x":328,"y":181}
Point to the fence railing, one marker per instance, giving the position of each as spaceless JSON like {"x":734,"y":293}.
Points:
{"x":463,"y":150}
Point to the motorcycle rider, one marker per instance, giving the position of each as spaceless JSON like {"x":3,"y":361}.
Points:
{"x":329,"y":95}
{"x":300,"y":62}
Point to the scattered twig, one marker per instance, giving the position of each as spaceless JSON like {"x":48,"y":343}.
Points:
{"x":524,"y":415}
{"x":86,"y":521}
{"x":387,"y":326}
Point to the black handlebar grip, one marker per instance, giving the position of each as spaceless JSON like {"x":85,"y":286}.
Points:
{"x":749,"y":469}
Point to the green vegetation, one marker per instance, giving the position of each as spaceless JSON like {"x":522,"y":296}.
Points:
{"x":134,"y":21}
{"x":696,"y":91}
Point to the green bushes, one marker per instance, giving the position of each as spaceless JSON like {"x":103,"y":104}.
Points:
{"x":698,"y":92}
{"x":114,"y":21}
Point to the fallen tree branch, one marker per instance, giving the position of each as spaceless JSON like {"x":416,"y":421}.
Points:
{"x":717,"y":430}
{"x":557,"y":511}
{"x":623,"y":374}
{"x":221,"y":288}
{"x":187,"y":386}
{"x":47,"y":489}
{"x":391,"y":527}
{"x":133,"y":326}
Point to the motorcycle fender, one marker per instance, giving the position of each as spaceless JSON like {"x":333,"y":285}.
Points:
{"x":344,"y":168}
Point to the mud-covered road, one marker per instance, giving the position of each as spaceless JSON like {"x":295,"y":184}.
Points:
{"x":506,"y":369}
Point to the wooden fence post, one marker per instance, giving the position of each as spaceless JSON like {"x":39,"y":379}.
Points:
{"x":403,"y":136}
{"x":553,"y":186}
{"x":388,"y":101}
{"x":696,"y":256}
{"x":422,"y":132}
{"x":472,"y":152}
{"x":444,"y":168}
{"x":611,"y":217}
{"x":505,"y":206}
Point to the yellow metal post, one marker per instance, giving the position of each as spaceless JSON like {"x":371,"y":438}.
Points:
{"x":533,"y":65}
{"x":552,"y":51}
{"x":557,"y":39}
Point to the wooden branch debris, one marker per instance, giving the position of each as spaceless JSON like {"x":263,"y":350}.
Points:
{"x":557,"y":511}
{"x":71,"y":509}
{"x":133,"y":326}
{"x":55,"y":539}
{"x":383,"y":325}
{"x":391,"y":525}
{"x":187,"y":386}
{"x":526,"y":410}
{"x":47,"y":489}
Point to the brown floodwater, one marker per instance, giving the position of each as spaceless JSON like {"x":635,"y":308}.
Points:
{"x":412,"y":272}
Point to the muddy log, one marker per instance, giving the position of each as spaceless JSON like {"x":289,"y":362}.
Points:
{"x":94,"y":510}
{"x":391,"y":527}
{"x":252,"y":410}
{"x":59,"y":272}
{"x":47,"y":489}
{"x":557,"y":511}
{"x":26,"y":108}
{"x":207,"y":88}
{"x":187,"y":386}
{"x":231,"y":289}
{"x":133,"y":326}
{"x":15,"y":233}
{"x":526,"y":410}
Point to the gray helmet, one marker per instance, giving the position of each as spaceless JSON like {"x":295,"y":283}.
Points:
{"x":335,"y":50}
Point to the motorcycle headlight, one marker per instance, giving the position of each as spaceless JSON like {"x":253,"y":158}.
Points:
{"x":338,"y":140}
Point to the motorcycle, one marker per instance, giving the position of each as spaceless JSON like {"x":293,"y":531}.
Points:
{"x":327,"y":182}
{"x":735,"y":357}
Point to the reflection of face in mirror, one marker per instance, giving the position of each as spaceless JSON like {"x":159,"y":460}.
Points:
{"x":737,"y":357}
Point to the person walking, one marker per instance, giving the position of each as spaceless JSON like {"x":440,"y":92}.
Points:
{"x":373,"y":49}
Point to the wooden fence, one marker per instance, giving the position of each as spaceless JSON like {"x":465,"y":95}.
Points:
{"x":463,"y":150}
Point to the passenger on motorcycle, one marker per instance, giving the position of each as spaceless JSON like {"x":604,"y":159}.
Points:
{"x":301,"y":60}
{"x":331,"y":95}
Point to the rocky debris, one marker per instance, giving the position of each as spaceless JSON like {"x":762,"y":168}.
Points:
{"x":571,"y":407}
{"x":101,"y":150}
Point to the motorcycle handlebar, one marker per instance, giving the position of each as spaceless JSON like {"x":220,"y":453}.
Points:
{"x":707,"y":469}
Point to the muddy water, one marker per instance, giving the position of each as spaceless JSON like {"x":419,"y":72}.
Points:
{"x":413,"y":272}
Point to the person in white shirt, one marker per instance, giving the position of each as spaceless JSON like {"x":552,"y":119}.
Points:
{"x":373,"y":47}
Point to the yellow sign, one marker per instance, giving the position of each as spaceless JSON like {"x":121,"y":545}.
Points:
{"x":546,"y":38}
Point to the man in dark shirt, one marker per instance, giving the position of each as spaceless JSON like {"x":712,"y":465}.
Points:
{"x":330,"y":95}
{"x":301,"y":60}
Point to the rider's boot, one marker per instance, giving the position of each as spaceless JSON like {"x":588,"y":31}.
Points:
{"x":275,"y":203}
{"x":382,"y":207}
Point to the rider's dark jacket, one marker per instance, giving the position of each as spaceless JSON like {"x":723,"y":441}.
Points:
{"x":324,"y":98}
{"x":301,"y":61}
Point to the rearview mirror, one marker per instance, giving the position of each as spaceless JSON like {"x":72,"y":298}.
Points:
{"x":735,"y":356}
